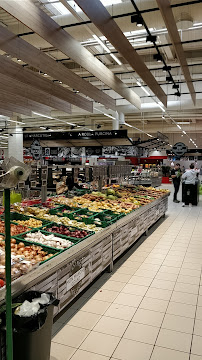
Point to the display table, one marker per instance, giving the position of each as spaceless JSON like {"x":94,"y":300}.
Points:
{"x":69,"y":273}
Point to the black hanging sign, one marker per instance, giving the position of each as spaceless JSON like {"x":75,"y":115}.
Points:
{"x":179,"y":149}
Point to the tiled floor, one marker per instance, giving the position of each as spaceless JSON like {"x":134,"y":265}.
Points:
{"x":150,"y":307}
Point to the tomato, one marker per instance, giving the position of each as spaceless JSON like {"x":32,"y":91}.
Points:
{"x":2,"y":283}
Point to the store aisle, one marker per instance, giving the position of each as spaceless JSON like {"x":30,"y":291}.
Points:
{"x":150,"y":307}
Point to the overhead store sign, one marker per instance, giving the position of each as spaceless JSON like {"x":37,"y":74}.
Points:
{"x":179,"y":149}
{"x":77,"y":135}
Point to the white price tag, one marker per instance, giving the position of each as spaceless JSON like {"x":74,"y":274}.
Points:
{"x":157,"y":212}
{"x":75,"y":278}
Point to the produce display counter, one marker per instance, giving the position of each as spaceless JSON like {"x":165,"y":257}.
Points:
{"x":70,"y":272}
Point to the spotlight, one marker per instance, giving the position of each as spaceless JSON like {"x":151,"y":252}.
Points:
{"x":47,"y":128}
{"x":166,"y":68}
{"x":157,"y":57}
{"x":176,"y":86}
{"x":137,"y":19}
{"x":177,"y":94}
{"x":163,"y":117}
{"x":72,"y":127}
{"x":98,"y":126}
{"x":151,"y":38}
{"x":169,"y":78}
{"x":24,"y":129}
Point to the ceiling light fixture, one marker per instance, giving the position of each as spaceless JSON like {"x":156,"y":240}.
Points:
{"x":184,"y":132}
{"x":137,"y":19}
{"x":179,"y":126}
{"x":177,"y":94}
{"x":151,"y":38}
{"x":169,"y":78}
{"x":142,"y":87}
{"x":157,"y":57}
{"x":176,"y":86}
{"x":166,"y":68}
{"x":42,"y":127}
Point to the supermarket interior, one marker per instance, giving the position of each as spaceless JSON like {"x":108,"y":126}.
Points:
{"x":100,"y":180}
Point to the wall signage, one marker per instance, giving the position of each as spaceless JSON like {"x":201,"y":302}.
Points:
{"x":179,"y":149}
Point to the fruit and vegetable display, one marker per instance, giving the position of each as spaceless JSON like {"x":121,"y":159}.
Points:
{"x":33,"y":223}
{"x":70,"y":220}
{"x":69,"y":232}
{"x":48,"y":240}
{"x":15,"y":229}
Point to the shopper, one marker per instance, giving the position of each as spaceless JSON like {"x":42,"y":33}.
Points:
{"x":189,"y":178}
{"x":176,"y":176}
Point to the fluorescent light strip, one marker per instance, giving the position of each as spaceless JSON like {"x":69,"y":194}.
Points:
{"x":107,"y":50}
{"x":142,"y":87}
{"x":179,"y":126}
{"x":184,"y":132}
{"x":52,"y":118}
{"x":42,"y":127}
{"x":161,"y":107}
{"x":17,"y":122}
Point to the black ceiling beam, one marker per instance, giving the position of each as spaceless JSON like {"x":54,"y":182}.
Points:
{"x":120,"y":16}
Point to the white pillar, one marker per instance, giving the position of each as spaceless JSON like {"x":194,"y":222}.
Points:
{"x":121,"y":118}
{"x":15,"y":142}
{"x":115,"y":122}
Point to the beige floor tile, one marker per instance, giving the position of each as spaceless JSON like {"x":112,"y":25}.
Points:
{"x":186,"y":288}
{"x":153,"y":261}
{"x":124,"y":278}
{"x":188,"y":279}
{"x":96,"y":306}
{"x":200,"y":290}
{"x":184,"y":298}
{"x":172,"y":263}
{"x":140,"y":280}
{"x":190,"y":272}
{"x":134,"y":265}
{"x":160,"y":353}
{"x":135,"y":289}
{"x":166,"y":276}
{"x":128,"y":299}
{"x":174,"y":340}
{"x":154,"y":304}
{"x":178,"y":323}
{"x":148,"y":317}
{"x":198,"y":327}
{"x":146,"y":273}
{"x":141,"y":332}
{"x":169,"y":270}
{"x":105,"y":295}
{"x":161,"y":294}
{"x":86,"y":355}
{"x":61,"y":352}
{"x":131,"y":350}
{"x":196,"y":345}
{"x":99,"y":343}
{"x":126,"y":270}
{"x":111,"y":326}
{"x":84,"y":320}
{"x":189,"y":265}
{"x":199,"y":301}
{"x":66,"y":315}
{"x":113,"y":285}
{"x":120,"y":311}
{"x":150,"y":267}
{"x":181,"y":309}
{"x":71,"y":336}
{"x":195,"y":357}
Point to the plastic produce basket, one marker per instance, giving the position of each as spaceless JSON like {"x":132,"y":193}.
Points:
{"x":16,"y":216}
{"x":71,"y":228}
{"x":48,"y":249}
{"x":87,"y":220}
{"x":59,"y":211}
{"x":23,"y":236}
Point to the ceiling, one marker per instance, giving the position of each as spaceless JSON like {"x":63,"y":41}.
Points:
{"x":63,"y":66}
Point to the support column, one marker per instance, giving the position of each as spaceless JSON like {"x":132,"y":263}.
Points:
{"x":115,"y":122}
{"x":121,"y":119}
{"x":15,"y":142}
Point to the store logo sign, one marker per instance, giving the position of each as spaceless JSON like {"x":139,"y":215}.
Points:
{"x":179,"y":149}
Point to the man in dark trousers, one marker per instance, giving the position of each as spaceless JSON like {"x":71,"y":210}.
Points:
{"x":176,"y":176}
